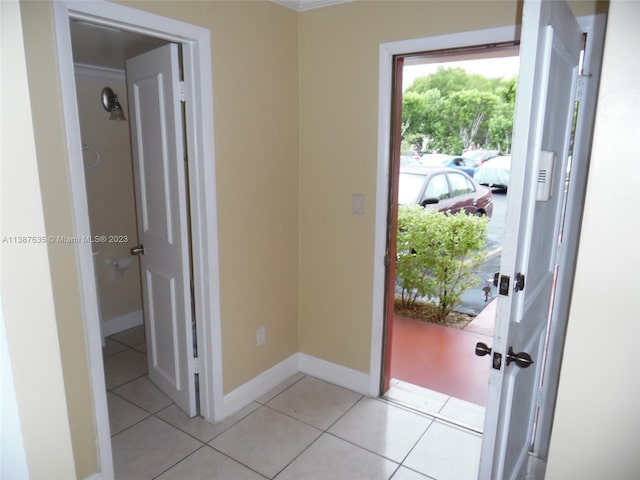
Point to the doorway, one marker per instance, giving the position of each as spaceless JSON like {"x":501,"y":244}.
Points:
{"x":196,"y":50}
{"x":447,"y":107}
{"x":537,"y":443}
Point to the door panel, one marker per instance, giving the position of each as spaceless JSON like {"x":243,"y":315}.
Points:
{"x":549,"y":55}
{"x":159,"y":174}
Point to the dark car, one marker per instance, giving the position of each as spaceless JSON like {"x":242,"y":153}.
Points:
{"x":444,"y":189}
{"x":441,"y":160}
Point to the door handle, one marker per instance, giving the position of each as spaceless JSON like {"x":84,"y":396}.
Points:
{"x":522,"y":359}
{"x":139,"y":250}
{"x":482,"y":349}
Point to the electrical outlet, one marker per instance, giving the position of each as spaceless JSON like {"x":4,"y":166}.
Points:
{"x":260,"y":336}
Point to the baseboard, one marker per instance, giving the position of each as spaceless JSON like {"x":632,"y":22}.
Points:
{"x":334,"y":373}
{"x":94,"y":476}
{"x":298,"y":362}
{"x":254,"y":388}
{"x":122,"y":322}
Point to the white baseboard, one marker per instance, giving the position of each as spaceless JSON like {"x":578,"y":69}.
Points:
{"x":254,"y":388}
{"x":94,"y":476}
{"x":122,"y":322}
{"x":334,"y":373}
{"x":298,"y":362}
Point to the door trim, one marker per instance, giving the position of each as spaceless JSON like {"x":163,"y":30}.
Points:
{"x":199,"y":95}
{"x":594,"y":25}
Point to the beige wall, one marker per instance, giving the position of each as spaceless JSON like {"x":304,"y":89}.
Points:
{"x":338,"y":152}
{"x":48,"y":127}
{"x":595,"y":432}
{"x":339,"y":50}
{"x":295,"y":103}
{"x":110,"y":196}
{"x":35,"y":346}
{"x":255,"y":95}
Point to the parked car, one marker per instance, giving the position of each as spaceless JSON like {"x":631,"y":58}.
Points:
{"x":444,"y":189}
{"x":495,"y":172}
{"x":480,"y":156}
{"x":441,"y":160}
{"x":407,"y":160}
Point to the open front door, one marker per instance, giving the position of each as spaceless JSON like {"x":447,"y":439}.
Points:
{"x":549,"y":57}
{"x":161,"y":200}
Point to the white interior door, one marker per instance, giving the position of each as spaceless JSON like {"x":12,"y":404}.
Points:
{"x":549,"y":55}
{"x":158,"y":153}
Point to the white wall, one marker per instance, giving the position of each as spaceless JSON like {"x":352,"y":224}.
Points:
{"x":13,"y":460}
{"x":597,"y":424}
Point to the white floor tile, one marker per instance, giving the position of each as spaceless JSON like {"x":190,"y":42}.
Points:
{"x":207,"y":464}
{"x":144,"y":394}
{"x":111,"y":347}
{"x":122,"y":414}
{"x":266,"y":441}
{"x":149,"y":448}
{"x":466,"y":413}
{"x":384,"y":429}
{"x":124,"y":367}
{"x":131,"y":337}
{"x":315,"y":402}
{"x":423,"y":399}
{"x":446,"y":453}
{"x":404,"y":473}
{"x":198,"y":426}
{"x":331,"y":458}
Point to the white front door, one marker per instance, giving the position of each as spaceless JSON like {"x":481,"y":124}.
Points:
{"x":549,"y":55}
{"x":161,"y":201}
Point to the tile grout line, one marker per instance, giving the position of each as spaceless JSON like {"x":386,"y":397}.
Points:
{"x":322,"y":431}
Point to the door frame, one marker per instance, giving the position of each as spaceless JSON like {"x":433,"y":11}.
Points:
{"x":385,"y":82}
{"x":196,"y":46}
{"x":594,"y":26}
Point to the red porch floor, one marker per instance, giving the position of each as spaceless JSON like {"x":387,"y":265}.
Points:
{"x":441,"y":358}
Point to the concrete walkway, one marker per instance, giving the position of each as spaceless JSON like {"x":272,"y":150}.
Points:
{"x":441,"y":358}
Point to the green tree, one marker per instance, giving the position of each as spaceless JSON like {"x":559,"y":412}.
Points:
{"x":419,"y":116}
{"x":450,"y":111}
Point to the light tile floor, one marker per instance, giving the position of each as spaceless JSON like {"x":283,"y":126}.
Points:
{"x":304,"y":429}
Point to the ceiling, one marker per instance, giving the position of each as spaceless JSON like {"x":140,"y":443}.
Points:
{"x":107,"y":47}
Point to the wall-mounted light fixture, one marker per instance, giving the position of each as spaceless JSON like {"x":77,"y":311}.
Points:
{"x":111,"y":104}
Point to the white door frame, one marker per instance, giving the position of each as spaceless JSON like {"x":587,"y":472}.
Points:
{"x":199,"y":96}
{"x":387,"y":52}
{"x":594,"y":26}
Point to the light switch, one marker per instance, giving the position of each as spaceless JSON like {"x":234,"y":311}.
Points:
{"x":357,"y":204}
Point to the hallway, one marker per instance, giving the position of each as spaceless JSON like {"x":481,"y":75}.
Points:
{"x":303,"y":429}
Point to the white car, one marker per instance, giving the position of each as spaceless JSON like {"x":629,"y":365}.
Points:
{"x":495,"y":172}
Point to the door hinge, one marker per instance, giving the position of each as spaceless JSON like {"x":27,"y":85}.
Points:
{"x":196,"y":365}
{"x":182,"y":93}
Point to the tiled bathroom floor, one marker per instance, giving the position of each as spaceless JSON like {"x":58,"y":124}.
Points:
{"x":304,"y":429}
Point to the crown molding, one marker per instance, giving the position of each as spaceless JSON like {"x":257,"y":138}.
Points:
{"x":304,"y":5}
{"x":93,"y":72}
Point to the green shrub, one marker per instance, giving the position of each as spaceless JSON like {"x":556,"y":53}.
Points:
{"x":438,"y":255}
